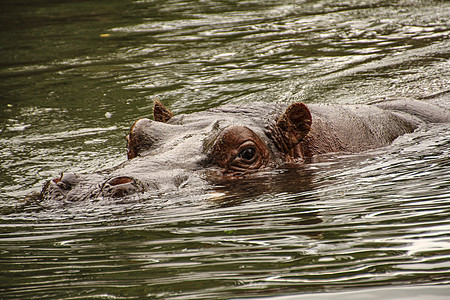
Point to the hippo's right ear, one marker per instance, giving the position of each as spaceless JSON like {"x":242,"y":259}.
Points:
{"x":161,"y":113}
{"x":294,"y":124}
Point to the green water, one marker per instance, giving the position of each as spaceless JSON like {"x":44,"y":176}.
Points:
{"x":74,"y":75}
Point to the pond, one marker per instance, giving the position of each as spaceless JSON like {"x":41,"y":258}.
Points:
{"x":75,"y":75}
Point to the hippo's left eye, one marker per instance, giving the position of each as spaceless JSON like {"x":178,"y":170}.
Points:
{"x":247,"y":158}
{"x":238,"y":149}
{"x":248,"y":154}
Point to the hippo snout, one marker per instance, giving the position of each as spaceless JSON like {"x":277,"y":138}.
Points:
{"x":71,"y":187}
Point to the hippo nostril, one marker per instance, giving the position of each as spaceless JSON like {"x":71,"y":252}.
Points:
{"x":120,"y":180}
{"x":120,"y":187}
{"x":63,"y":185}
{"x":66,"y":181}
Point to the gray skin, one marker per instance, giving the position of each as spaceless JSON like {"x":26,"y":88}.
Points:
{"x":211,"y":146}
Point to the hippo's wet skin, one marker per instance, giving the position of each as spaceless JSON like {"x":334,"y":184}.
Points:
{"x":172,"y":152}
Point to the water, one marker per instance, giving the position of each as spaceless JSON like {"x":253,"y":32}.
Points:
{"x":74,"y":75}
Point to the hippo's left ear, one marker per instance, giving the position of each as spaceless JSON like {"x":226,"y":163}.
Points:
{"x":161,"y":113}
{"x":295,"y":124}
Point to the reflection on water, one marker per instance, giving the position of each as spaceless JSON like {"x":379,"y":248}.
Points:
{"x":75,"y":75}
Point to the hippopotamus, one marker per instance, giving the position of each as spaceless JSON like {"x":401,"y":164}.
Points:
{"x":232,"y":142}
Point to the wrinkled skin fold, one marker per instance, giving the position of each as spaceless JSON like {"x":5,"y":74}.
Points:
{"x":171,"y":151}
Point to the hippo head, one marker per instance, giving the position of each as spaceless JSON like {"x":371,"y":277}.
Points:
{"x":171,"y":152}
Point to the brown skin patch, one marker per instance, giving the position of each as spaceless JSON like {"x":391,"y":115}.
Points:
{"x":132,"y":144}
{"x":120,"y":180}
{"x":138,"y":139}
{"x":161,"y":113}
{"x":238,"y":149}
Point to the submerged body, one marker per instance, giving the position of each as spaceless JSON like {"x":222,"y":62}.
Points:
{"x":172,"y":152}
